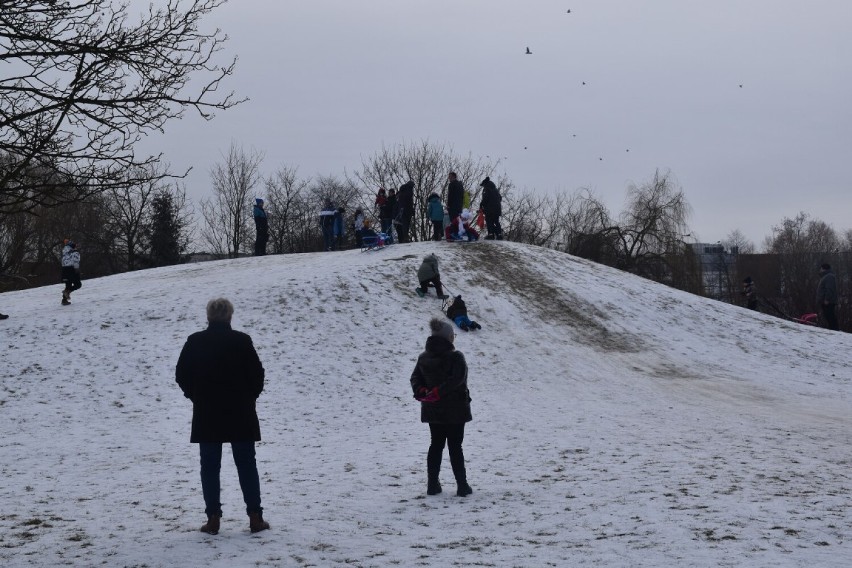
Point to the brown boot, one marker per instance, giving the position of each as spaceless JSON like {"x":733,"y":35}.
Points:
{"x":212,"y":525}
{"x":256,"y":522}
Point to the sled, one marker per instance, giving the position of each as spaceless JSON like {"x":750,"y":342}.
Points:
{"x":378,"y":242}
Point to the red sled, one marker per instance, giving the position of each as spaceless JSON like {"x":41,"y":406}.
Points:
{"x":807,"y":319}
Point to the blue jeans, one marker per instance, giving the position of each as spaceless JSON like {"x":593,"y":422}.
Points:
{"x":211,"y":463}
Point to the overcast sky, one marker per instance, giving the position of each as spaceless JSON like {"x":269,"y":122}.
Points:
{"x":330,"y":81}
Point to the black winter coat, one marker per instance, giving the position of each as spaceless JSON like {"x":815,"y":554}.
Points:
{"x":388,"y":210}
{"x":405,"y":199}
{"x":220,"y":372}
{"x":455,"y":198}
{"x":443,"y":367}
{"x":492,"y":203}
{"x":457,"y":308}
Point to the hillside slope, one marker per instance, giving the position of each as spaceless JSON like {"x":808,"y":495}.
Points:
{"x":616,"y":421}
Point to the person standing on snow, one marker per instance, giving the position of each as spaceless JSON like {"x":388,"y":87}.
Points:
{"x":405,"y":217}
{"x":435,"y":210}
{"x":492,"y":207}
{"x":70,"y":270}
{"x":327,"y":224}
{"x":439,"y":382}
{"x":220,"y":372}
{"x":261,"y":224}
{"x":455,"y":196}
{"x":827,"y":297}
{"x":387,"y":212}
{"x":749,"y":293}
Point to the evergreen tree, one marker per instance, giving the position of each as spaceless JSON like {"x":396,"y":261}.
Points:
{"x":168,"y":230}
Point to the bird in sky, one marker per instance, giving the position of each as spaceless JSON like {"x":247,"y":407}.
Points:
{"x":529,"y":52}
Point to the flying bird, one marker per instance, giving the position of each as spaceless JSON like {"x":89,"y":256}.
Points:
{"x":529,"y":52}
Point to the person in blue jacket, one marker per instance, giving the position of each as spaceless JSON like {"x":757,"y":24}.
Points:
{"x":435,"y":211}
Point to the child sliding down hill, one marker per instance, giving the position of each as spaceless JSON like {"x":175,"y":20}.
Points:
{"x":457,"y":311}
{"x":460,"y":230}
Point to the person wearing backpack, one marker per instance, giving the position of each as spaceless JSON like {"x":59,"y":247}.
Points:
{"x":435,"y":211}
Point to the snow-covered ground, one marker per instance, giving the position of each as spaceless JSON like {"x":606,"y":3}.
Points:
{"x":617,"y":422}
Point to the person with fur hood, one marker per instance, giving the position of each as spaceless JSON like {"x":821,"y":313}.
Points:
{"x":428,"y":275}
{"x":457,"y":311}
{"x":439,"y":382}
{"x":70,"y":270}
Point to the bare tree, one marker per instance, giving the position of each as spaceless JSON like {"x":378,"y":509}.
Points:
{"x":87,"y":80}
{"x":228,"y":213}
{"x":652,"y":225}
{"x":737,"y":241}
{"x":292,"y":215}
{"x":128,"y":215}
{"x":801,"y":244}
{"x":585,"y":227}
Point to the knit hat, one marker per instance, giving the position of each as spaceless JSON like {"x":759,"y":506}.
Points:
{"x":486,"y":180}
{"x":259,"y":201}
{"x":441,"y":329}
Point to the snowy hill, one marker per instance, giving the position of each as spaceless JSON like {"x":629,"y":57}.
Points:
{"x":617,"y":422}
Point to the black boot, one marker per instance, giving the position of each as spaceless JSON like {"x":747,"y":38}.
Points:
{"x":212,"y":525}
{"x":433,"y":468}
{"x":460,"y":473}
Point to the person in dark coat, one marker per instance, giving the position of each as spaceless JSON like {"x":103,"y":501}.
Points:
{"x":457,"y":311}
{"x":405,"y":216}
{"x":220,"y":372}
{"x":387,"y":213}
{"x":439,"y":382}
{"x":327,"y":224}
{"x":455,"y":196}
{"x":827,"y":297}
{"x":749,"y":293}
{"x":261,"y":225}
{"x":492,"y":207}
